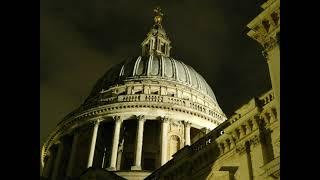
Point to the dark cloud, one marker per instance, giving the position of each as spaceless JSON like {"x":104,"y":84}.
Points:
{"x":81,"y":40}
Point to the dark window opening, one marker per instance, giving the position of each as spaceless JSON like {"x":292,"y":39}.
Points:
{"x":275,"y":17}
{"x":162,"y":48}
{"x":266,"y":25}
{"x":122,"y":93}
{"x":147,"y":48}
{"x":149,"y":164}
{"x":155,"y":92}
{"x":127,"y":163}
{"x":138,"y":92}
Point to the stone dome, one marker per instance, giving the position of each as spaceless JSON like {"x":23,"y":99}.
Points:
{"x":154,"y":68}
{"x":133,"y":104}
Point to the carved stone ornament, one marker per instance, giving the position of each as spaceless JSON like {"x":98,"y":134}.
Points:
{"x":255,"y":140}
{"x":96,"y":122}
{"x":141,"y":118}
{"x":164,"y":119}
{"x":270,"y":44}
{"x":240,"y":149}
{"x":187,"y":123}
{"x":117,"y":118}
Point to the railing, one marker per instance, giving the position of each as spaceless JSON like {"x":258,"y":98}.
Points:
{"x":143,"y":98}
{"x":176,"y":101}
{"x":153,"y":98}
{"x":128,"y":98}
{"x":165,"y":99}
{"x":109,"y":100}
{"x":266,"y":98}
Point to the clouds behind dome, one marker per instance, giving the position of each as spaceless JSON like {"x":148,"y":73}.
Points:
{"x":81,"y":40}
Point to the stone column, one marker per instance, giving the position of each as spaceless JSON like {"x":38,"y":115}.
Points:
{"x":93,"y":142}
{"x":115,"y":143}
{"x":139,"y":143}
{"x":164,"y":140}
{"x":187,"y":126}
{"x":57,"y":162}
{"x":72,"y":154}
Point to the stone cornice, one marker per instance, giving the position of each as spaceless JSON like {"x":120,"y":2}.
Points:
{"x":266,"y":25}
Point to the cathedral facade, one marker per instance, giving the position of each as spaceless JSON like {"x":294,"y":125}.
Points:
{"x":154,"y":117}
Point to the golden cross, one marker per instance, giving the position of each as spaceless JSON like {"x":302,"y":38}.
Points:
{"x":158,"y":16}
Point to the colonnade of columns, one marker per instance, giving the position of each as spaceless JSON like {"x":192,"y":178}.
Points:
{"x":115,"y":142}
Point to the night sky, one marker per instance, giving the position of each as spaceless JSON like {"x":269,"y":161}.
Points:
{"x":81,"y":39}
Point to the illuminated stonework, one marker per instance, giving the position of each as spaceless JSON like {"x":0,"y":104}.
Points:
{"x":247,"y":145}
{"x":153,"y":117}
{"x":138,"y":115}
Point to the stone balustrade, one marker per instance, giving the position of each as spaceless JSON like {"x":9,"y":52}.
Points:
{"x":266,"y":98}
{"x":114,"y":104}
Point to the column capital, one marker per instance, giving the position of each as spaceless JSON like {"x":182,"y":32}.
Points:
{"x":117,"y":118}
{"x":187,"y":123}
{"x":164,"y":119}
{"x":96,"y":121}
{"x":141,"y":118}
{"x":205,"y":130}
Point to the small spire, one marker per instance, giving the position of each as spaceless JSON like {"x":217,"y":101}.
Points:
{"x":158,"y":16}
{"x":156,"y":41}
